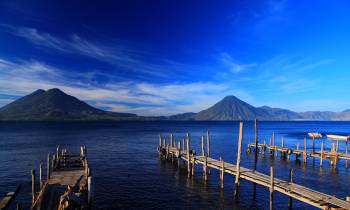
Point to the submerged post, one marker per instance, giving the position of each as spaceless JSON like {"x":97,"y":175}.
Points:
{"x":256,"y":152}
{"x":313,"y":144}
{"x":33,"y":185}
{"x":238,"y":163}
{"x":282,"y":142}
{"x":179,"y":155}
{"x":272,"y":179}
{"x":290,"y":201}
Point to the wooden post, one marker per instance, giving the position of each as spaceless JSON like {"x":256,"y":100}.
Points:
{"x":48,"y":170}
{"x":160,"y":141}
{"x":33,"y":186}
{"x":205,"y":168}
{"x":19,"y":206}
{"x":256,"y":152}
{"x":313,"y":144}
{"x":290,"y":201}
{"x":222,"y":173}
{"x":57,"y":152}
{"x":238,"y":163}
{"x":322,"y":148}
{"x":40,"y":175}
{"x":171,"y":140}
{"x":273,"y":138}
{"x":346,"y":153}
{"x":208,"y":143}
{"x":272,"y":180}
{"x":282,"y":142}
{"x":183,"y":144}
{"x":188,"y":154}
{"x":179,"y":156}
{"x":193,"y":164}
{"x":305,"y":154}
{"x":337,"y":147}
{"x":89,"y":189}
{"x":203,"y":147}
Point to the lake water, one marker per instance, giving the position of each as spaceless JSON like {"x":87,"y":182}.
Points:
{"x":129,"y":175}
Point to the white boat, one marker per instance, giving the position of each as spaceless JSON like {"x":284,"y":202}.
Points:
{"x":338,"y":137}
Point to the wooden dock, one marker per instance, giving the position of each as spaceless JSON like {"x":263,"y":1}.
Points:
{"x":182,"y":152}
{"x":67,"y":184}
{"x":9,"y":197}
{"x":334,"y":156}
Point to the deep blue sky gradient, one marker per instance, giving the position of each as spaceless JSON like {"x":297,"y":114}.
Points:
{"x":165,"y":57}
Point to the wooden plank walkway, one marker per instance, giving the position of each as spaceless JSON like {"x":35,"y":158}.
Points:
{"x":9,"y":197}
{"x":67,"y":185}
{"x":288,"y":188}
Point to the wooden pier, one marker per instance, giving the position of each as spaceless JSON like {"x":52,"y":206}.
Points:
{"x":334,"y":156}
{"x":9,"y":197}
{"x":183,"y":152}
{"x":67,"y":184}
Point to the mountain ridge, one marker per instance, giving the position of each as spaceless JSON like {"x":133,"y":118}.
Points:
{"x":55,"y":105}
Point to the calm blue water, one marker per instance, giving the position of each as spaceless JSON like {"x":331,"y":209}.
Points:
{"x":129,"y":175}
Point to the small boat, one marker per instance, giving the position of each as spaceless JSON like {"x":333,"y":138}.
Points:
{"x":315,"y":135}
{"x":338,"y":137}
{"x":9,"y":197}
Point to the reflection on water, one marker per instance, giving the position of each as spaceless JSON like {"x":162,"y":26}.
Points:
{"x":129,"y":175}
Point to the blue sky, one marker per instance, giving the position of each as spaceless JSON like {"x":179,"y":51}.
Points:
{"x":165,"y":57}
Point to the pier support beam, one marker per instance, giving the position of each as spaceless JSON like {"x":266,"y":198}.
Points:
{"x":171,"y":140}
{"x":238,"y":163}
{"x":33,"y":185}
{"x":41,"y":175}
{"x":48,"y":170}
{"x":188,"y":154}
{"x":205,"y":167}
{"x":222,"y":173}
{"x":179,"y":155}
{"x":272,"y":180}
{"x":305,"y":149}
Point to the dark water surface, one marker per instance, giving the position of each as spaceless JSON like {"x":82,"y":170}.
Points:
{"x":129,"y":175}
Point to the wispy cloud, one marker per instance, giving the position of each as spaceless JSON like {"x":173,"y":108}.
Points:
{"x":18,"y":78}
{"x":233,"y":65}
{"x":122,"y":57}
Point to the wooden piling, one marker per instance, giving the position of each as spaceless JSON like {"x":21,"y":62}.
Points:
{"x":33,"y":185}
{"x":313,"y":144}
{"x":305,"y":154}
{"x":290,"y":201}
{"x":40,"y":175}
{"x":160,"y":140}
{"x":282,"y":142}
{"x":208,"y":143}
{"x":188,"y":153}
{"x":171,"y":140}
{"x":238,"y":163}
{"x":205,"y":167}
{"x":48,"y":170}
{"x":222,"y":173}
{"x":183,"y":144}
{"x":322,"y":148}
{"x":179,"y":155}
{"x":203,"y":146}
{"x":193,"y":164}
{"x":272,"y":179}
